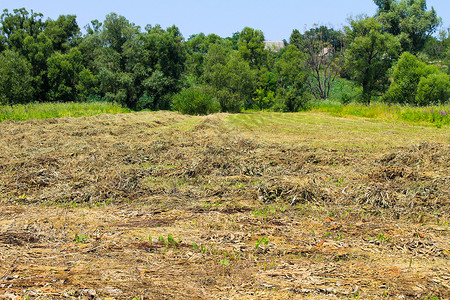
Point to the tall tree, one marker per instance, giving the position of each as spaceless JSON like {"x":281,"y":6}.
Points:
{"x":296,"y":39}
{"x":229,"y":78}
{"x":63,"y":75}
{"x":63,"y":32}
{"x":409,"y":20}
{"x":370,"y":55}
{"x":15,"y":79}
{"x":291,"y":79}
{"x":323,"y":61}
{"x":20,"y":24}
{"x":251,"y":47}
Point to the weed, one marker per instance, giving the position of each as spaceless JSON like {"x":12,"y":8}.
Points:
{"x":437,"y":115}
{"x":339,"y":236}
{"x":81,"y":238}
{"x":57,"y":109}
{"x":383,"y":239}
{"x":224,"y":262}
{"x":264,"y":241}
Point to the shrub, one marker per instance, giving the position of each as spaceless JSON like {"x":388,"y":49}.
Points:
{"x":407,"y":75}
{"x":16,"y":83}
{"x":144,"y":102}
{"x":291,"y":101}
{"x":194,"y":102}
{"x":434,"y":89}
{"x":264,"y":99}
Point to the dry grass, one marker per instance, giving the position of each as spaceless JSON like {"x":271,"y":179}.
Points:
{"x":339,"y":208}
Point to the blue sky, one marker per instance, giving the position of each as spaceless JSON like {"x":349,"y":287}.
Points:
{"x":276,"y":19}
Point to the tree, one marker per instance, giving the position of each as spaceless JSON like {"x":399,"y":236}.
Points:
{"x":409,"y":20}
{"x":234,"y":39}
{"x":291,"y":80}
{"x":296,"y":39}
{"x":38,"y":50}
{"x":63,"y":75}
{"x":157,"y":60}
{"x":323,"y":63}
{"x":15,"y":79}
{"x":332,"y":37}
{"x":408,"y":73}
{"x":433,"y":90}
{"x":251,"y":47}
{"x":370,"y":55}
{"x":63,"y":32}
{"x":20,"y":24}
{"x":229,"y":78}
{"x":197,"y":47}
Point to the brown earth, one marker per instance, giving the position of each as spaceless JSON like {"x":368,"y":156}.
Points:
{"x":164,"y":206}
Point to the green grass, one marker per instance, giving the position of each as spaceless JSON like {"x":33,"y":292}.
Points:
{"x":323,"y":130}
{"x":343,"y":103}
{"x":435,"y":115}
{"x":344,"y":91}
{"x":57,"y":109}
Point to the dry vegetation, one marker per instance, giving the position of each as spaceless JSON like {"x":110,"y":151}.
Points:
{"x":258,"y":206}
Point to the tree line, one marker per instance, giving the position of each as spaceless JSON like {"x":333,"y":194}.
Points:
{"x":387,"y":55}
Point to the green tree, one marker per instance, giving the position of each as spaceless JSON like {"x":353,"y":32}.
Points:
{"x":370,"y":55}
{"x":234,"y":39}
{"x":291,"y":90}
{"x":15,"y":79}
{"x":136,"y":69}
{"x":63,"y":32}
{"x":38,"y":50}
{"x":407,"y":74}
{"x":19,"y":25}
{"x":229,"y":78}
{"x":63,"y":75}
{"x":157,"y":60}
{"x":296,"y":39}
{"x":197,"y":47}
{"x":251,"y":47}
{"x":433,"y":89}
{"x":409,"y":20}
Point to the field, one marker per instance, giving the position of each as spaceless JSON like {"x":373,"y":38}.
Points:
{"x":158,"y":205}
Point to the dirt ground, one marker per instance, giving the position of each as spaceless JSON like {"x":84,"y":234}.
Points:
{"x":157,"y":205}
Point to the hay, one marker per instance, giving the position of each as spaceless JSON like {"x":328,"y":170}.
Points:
{"x":164,"y":206}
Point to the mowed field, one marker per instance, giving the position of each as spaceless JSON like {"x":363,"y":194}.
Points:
{"x":158,"y":205}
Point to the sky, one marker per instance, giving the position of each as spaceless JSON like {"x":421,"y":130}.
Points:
{"x":276,"y":19}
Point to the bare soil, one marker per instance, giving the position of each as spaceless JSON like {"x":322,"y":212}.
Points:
{"x":157,"y":205}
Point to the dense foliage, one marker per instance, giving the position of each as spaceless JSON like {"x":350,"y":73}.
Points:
{"x":155,"y":68}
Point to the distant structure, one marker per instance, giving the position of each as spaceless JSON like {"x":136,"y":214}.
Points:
{"x":327,"y":51}
{"x":273,"y":46}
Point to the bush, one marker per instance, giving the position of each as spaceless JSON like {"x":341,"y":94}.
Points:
{"x":194,"y":102}
{"x":407,"y":74}
{"x":145,"y":102}
{"x":434,"y":89}
{"x":291,"y":100}
{"x":16,"y":83}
